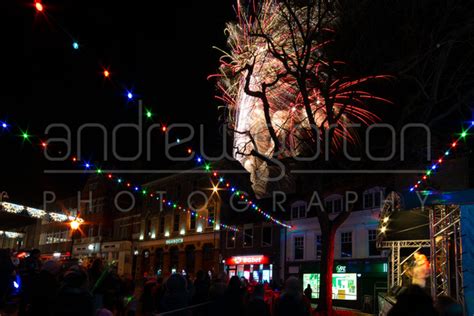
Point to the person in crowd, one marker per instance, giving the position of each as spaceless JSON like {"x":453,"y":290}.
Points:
{"x":234,"y":297}
{"x":201,"y":288}
{"x":175,"y":296}
{"x":256,"y":305}
{"x":44,"y":289}
{"x":74,"y":298}
{"x":308,"y":292}
{"x":448,"y":306}
{"x":6,"y":275}
{"x":29,"y":269}
{"x":217,"y":291}
{"x":413,"y":302}
{"x":148,"y":298}
{"x":291,"y":301}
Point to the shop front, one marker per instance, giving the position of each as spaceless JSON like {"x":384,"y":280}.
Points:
{"x":355,"y":283}
{"x":256,"y":268}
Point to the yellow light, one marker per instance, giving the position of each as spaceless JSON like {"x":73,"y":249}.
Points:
{"x":383,"y":230}
{"x":74,"y":225}
{"x":385,"y":220}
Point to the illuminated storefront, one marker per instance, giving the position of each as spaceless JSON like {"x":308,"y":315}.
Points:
{"x":254,"y":268}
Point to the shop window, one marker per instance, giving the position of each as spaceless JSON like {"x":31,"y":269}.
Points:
{"x":346,"y":245}
{"x":248,"y":236}
{"x":373,"y":198}
{"x":192,"y":222}
{"x":176,"y":223}
{"x":318,"y":247}
{"x":159,"y":258}
{"x":267,"y":236}
{"x":299,"y":248}
{"x":298,"y":210}
{"x":190,"y":258}
{"x":207,"y":252}
{"x":174,"y":257}
{"x":230,"y":240}
{"x":372,"y":237}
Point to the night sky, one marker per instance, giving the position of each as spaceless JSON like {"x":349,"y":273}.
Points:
{"x":160,"y":50}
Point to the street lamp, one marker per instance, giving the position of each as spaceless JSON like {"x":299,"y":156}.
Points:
{"x":74,"y":225}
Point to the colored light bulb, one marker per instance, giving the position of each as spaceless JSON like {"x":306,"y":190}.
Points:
{"x":129,"y":95}
{"x":75,"y":45}
{"x":39,"y":7}
{"x":4,"y":125}
{"x":106,"y":73}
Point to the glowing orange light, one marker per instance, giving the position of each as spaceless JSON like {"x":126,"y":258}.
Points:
{"x":454,"y":144}
{"x":163,"y":128}
{"x":39,"y":7}
{"x":74,"y":159}
{"x":440,"y":161}
{"x":74,"y":225}
{"x":109,"y":176}
{"x":106,"y":73}
{"x":425,"y":177}
{"x":190,"y":151}
{"x":215,"y":174}
{"x":128,"y":184}
{"x":44,"y":144}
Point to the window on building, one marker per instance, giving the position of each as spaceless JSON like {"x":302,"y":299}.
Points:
{"x":162,"y":224}
{"x":91,"y":231}
{"x":346,"y":245}
{"x":299,"y":248}
{"x":298,"y":210}
{"x":192,"y":222}
{"x":248,"y":236}
{"x":176,"y":223}
{"x":373,"y":251}
{"x":230,"y":240}
{"x":148,"y":228}
{"x":373,"y":198}
{"x":267,"y":236}
{"x":210,"y":216}
{"x":333,"y":204}
{"x":318,"y":246}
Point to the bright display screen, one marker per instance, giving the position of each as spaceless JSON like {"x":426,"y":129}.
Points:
{"x":344,"y":285}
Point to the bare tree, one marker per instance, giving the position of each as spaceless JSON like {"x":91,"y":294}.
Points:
{"x":287,"y":98}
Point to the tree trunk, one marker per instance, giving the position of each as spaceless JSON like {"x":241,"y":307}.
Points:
{"x":327,"y":265}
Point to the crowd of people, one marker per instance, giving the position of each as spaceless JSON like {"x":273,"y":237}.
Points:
{"x":35,"y":287}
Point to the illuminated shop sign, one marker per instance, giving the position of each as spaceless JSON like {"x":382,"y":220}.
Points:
{"x":261,"y":259}
{"x":174,"y":241}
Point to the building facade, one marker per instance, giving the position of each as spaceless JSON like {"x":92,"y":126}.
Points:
{"x":179,"y":227}
{"x":360,"y":269}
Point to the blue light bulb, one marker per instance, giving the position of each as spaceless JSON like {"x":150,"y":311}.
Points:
{"x":75,"y":45}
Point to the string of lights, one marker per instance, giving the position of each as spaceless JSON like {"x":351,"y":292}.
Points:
{"x":195,"y":214}
{"x":89,"y":166}
{"x":437,"y":163}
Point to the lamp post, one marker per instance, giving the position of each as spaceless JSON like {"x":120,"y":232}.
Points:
{"x":74,"y":225}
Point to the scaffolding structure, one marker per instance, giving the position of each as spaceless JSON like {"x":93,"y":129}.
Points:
{"x":444,"y":243}
{"x":395,"y":264}
{"x":446,"y":251}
